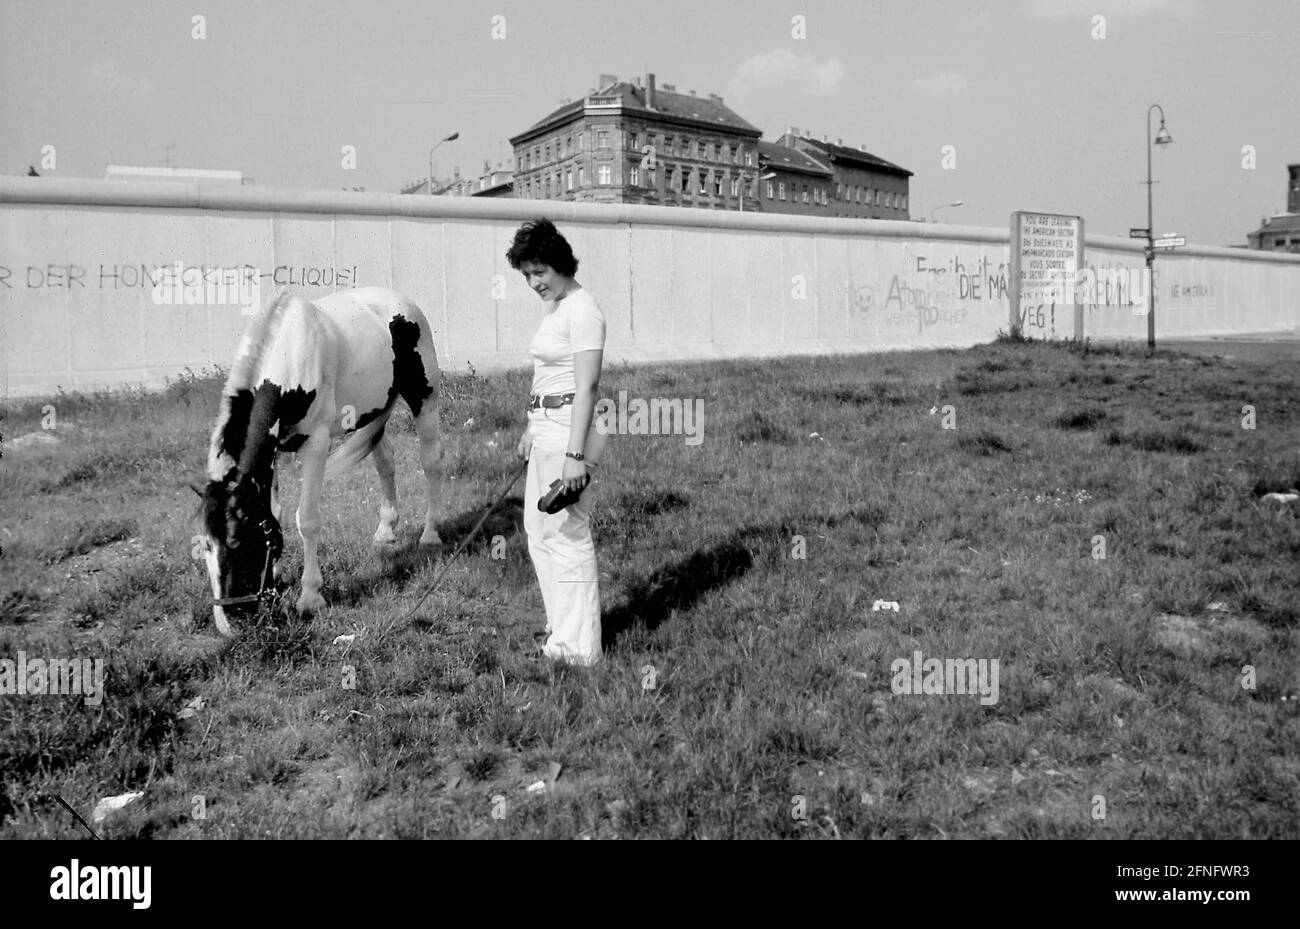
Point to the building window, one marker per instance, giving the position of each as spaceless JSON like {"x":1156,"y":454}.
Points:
{"x":749,"y":159}
{"x":631,"y":140}
{"x":878,"y":193}
{"x":548,"y":152}
{"x":805,"y":193}
{"x":735,"y":186}
{"x":547,"y":188}
{"x":704,"y":182}
{"x":582,"y":141}
{"x":717,"y":185}
{"x":686,"y":179}
{"x":602,"y":139}
{"x":570,"y":178}
{"x":634,"y":176}
{"x":568,"y":145}
{"x":582,"y":174}
{"x":604,"y":174}
{"x":780,"y":190}
{"x":769,"y":190}
{"x":904,"y":206}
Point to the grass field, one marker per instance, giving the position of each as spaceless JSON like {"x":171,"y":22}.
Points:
{"x":746,"y":690}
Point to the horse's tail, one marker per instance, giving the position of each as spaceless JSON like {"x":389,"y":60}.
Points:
{"x":357,"y":446}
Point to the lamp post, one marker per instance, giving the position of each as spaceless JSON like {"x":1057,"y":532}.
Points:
{"x":451,"y":138}
{"x":1162,"y":138}
{"x":943,"y":206}
{"x":758,"y":177}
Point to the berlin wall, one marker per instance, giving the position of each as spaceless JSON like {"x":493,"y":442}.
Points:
{"x":79,"y":261}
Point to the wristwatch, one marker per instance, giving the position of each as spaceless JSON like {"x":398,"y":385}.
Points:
{"x":576,"y":456}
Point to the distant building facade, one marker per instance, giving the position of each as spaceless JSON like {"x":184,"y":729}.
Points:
{"x":793,"y":182}
{"x":864,"y":186}
{"x":635,"y":142}
{"x":1281,"y":232}
{"x":498,"y":182}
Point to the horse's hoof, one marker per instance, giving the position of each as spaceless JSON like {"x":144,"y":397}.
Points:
{"x":434,"y":540}
{"x":223,"y":625}
{"x":385,"y":538}
{"x":312,"y":604}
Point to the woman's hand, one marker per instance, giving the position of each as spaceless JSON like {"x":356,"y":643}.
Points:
{"x":525,"y":446}
{"x":575,"y":475}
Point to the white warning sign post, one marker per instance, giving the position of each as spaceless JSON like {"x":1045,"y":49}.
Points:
{"x":1046,"y":263}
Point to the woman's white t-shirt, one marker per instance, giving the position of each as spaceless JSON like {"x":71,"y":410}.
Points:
{"x":574,"y":324}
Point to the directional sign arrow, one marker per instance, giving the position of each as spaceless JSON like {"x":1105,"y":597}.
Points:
{"x":1139,"y":233}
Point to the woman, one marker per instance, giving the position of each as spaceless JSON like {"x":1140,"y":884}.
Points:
{"x":561,"y":441}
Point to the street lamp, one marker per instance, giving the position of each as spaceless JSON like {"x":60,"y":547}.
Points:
{"x":744,"y":180}
{"x":1162,"y":138}
{"x":943,"y":206}
{"x":451,"y":138}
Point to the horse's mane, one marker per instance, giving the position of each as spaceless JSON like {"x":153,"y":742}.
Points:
{"x":239,"y":383}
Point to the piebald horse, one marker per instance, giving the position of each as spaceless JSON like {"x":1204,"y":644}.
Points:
{"x":307,"y":372}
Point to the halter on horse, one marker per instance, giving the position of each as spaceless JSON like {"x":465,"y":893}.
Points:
{"x":304,"y":373}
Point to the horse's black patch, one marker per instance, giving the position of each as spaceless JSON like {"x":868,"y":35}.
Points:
{"x":409,"y":377}
{"x":258,"y":453}
{"x":293,"y":443}
{"x":294,"y":405}
{"x":236,"y":428}
{"x":292,"y":409}
{"x":366,"y":418}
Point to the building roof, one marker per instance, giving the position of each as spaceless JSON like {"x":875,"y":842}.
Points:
{"x":1282,"y":222}
{"x":855,"y":156}
{"x":790,"y":159}
{"x":709,"y":110}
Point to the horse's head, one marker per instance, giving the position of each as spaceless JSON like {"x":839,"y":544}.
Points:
{"x":242,"y":545}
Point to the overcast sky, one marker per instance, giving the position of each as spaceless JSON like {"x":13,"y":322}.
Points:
{"x":1042,"y":114}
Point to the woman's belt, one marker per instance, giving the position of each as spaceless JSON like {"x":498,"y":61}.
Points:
{"x":549,"y":401}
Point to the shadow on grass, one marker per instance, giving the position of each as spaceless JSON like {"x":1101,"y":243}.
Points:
{"x":397,"y":565}
{"x":677,"y":587}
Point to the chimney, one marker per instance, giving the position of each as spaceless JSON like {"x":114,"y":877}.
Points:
{"x":650,"y":90}
{"x":825,"y":138}
{"x":839,"y":141}
{"x":807,"y":134}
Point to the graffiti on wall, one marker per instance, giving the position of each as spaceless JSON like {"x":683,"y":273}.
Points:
{"x":132,"y":275}
{"x":931,"y":294}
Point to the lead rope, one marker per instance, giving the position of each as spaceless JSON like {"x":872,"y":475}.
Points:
{"x":459,"y":548}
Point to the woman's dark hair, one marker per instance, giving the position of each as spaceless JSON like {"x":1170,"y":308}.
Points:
{"x":539,"y":240}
